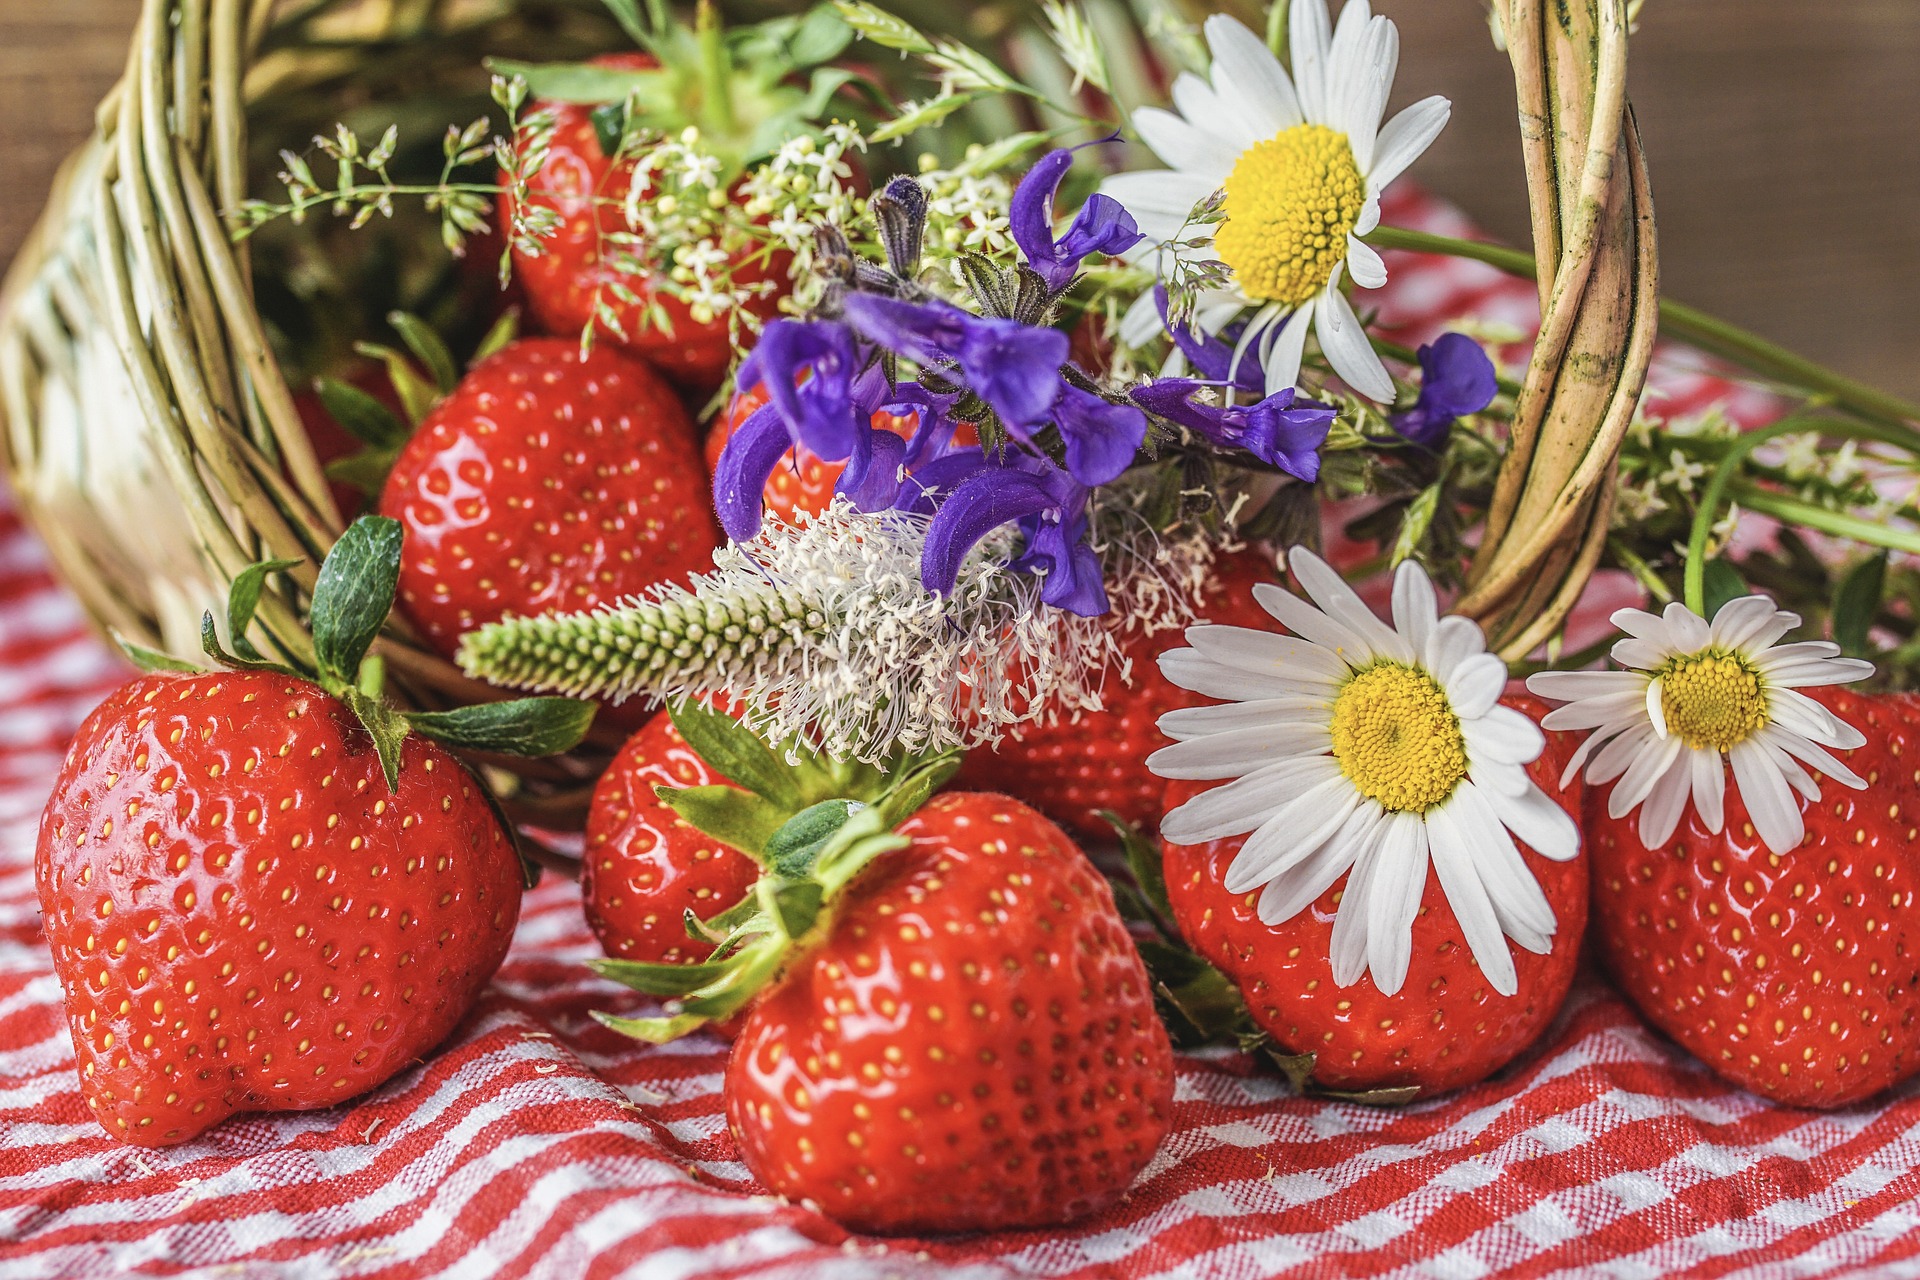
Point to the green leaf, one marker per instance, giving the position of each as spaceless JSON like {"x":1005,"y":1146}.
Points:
{"x":387,"y":728}
{"x":997,"y":155}
{"x":1418,"y":520}
{"x":365,"y":471}
{"x":825,"y":82}
{"x":610,"y":126}
{"x":587,"y":84}
{"x":504,"y":331}
{"x":210,"y":644}
{"x":1205,"y":998}
{"x":243,"y":598}
{"x":653,"y":1030}
{"x":521,"y":727}
{"x":363,"y":417}
{"x":798,"y":906}
{"x":151,"y":659}
{"x":1723,"y":584}
{"x":427,"y":345}
{"x":790,"y":851}
{"x":821,"y":36}
{"x":737,"y":752}
{"x":915,"y":116}
{"x":417,"y":395}
{"x":627,"y":14}
{"x":659,"y":979}
{"x":1856,"y":603}
{"x":740,"y":819}
{"x":881,"y":27}
{"x":353,"y":595}
{"x":1144,"y":861}
{"x":1394,"y":1097}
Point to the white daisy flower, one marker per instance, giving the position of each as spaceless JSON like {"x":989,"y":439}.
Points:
{"x":1695,"y":692}
{"x":1301,"y":160}
{"x":1362,"y":749}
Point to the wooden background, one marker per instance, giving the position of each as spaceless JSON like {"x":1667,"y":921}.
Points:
{"x":1784,"y":139}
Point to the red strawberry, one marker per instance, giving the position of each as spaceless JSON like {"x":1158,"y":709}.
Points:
{"x":1073,"y":768}
{"x":244,"y":917}
{"x":1445,"y":1027}
{"x":972,"y":1046}
{"x":546,"y":481}
{"x":1794,"y":975}
{"x":645,"y":866}
{"x":564,"y":280}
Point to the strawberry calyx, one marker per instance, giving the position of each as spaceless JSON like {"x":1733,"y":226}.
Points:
{"x":351,"y":599}
{"x":813,"y":824}
{"x":1199,"y":1004}
{"x":739,"y":87}
{"x":376,"y":426}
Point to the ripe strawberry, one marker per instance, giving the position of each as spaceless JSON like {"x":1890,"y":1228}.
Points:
{"x":244,"y":917}
{"x":1072,"y":769}
{"x":973,"y":1045}
{"x":264,"y":889}
{"x":571,"y":272}
{"x":546,"y":481}
{"x":645,"y":866}
{"x":1445,"y":1027}
{"x":1794,"y":975}
{"x":946,"y":1025}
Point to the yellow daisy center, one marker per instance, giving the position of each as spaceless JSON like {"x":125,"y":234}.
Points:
{"x":1712,"y":699}
{"x":1290,"y":202}
{"x":1397,"y":739}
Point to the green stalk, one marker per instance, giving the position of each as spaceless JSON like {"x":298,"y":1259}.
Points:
{"x":1784,"y":507}
{"x":716,"y":69}
{"x":1697,"y":329}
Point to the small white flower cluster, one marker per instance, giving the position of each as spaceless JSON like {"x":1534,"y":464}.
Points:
{"x":806,"y":183}
{"x":967,"y":209}
{"x":680,"y":220}
{"x":1663,"y":468}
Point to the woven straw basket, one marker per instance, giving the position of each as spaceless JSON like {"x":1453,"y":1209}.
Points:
{"x":155,"y":445}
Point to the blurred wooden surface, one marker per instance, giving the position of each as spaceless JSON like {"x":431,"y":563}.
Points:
{"x":1784,"y":140}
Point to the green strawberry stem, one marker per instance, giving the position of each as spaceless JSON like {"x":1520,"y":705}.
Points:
{"x":812,"y":824}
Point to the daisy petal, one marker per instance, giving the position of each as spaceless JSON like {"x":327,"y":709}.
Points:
{"x":1240,"y":806}
{"x":1405,"y":138}
{"x":1344,"y":342}
{"x":1300,"y":885}
{"x":1185,"y":146}
{"x":1570,"y":686}
{"x":1642,"y":655}
{"x":1665,"y":804}
{"x":1246,"y":74}
{"x":1648,"y":767}
{"x":1310,"y":34}
{"x":1798,"y":712}
{"x":1265,"y":653}
{"x":1476,"y":685}
{"x":1293,"y":830}
{"x":1504,"y":735}
{"x":1399,"y":882}
{"x":1229,"y":717}
{"x":1196,"y":674}
{"x":1230,"y":755}
{"x":1539,"y":822}
{"x":1775,"y":813}
{"x":1518,"y":900}
{"x":1453,"y":640}
{"x":1347,"y":949}
{"x":1281,"y":368}
{"x":1591,"y":713}
{"x":1612,"y":759}
{"x":1688,"y":630}
{"x":1813,"y":753}
{"x":1341,"y":603}
{"x":1738,"y":620}
{"x":1467,"y":897}
{"x":1364,"y":264}
{"x":1709,"y":788}
{"x":1416,"y":610}
{"x":1308,"y":623}
{"x":1195,"y":99}
{"x":1160,"y":193}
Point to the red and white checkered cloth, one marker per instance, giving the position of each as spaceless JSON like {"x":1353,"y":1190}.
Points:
{"x":537,"y":1143}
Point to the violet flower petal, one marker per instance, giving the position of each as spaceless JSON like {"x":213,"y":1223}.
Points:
{"x":740,"y":477}
{"x":989,"y":498}
{"x":1101,"y":437}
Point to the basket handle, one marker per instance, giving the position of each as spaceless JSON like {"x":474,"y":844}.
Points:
{"x":1595,"y":245}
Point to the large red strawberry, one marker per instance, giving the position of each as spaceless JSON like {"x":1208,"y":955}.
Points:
{"x":1445,"y":1027}
{"x":1075,"y":767}
{"x":1795,"y":975}
{"x":546,"y":480}
{"x":260,"y":899}
{"x":947,"y":1027}
{"x":572,"y":272}
{"x":645,"y":866}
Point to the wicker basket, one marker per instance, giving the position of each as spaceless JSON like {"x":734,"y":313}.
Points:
{"x":156,"y":447}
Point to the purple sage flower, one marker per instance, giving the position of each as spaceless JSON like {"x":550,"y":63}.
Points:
{"x":1456,"y":379}
{"x":1049,"y":506}
{"x":1212,"y":356}
{"x":1012,"y":366}
{"x":1102,"y":226}
{"x":1281,"y":430}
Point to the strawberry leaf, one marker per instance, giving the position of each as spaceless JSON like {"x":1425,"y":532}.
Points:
{"x":417,"y":395}
{"x":1856,"y":603}
{"x":426,"y":344}
{"x":504,"y":331}
{"x":521,"y":727}
{"x":387,"y":728}
{"x":1149,"y":875}
{"x":745,"y":822}
{"x":243,"y":598}
{"x":584,"y":83}
{"x":659,"y":979}
{"x":792,"y":849}
{"x":211,"y":646}
{"x":365,"y":471}
{"x":352,"y":597}
{"x":362,"y":416}
{"x":737,"y":753}
{"x":151,"y":659}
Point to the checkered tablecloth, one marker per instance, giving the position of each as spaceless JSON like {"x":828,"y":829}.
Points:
{"x":537,"y":1143}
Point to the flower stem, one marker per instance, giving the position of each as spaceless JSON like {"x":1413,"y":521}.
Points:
{"x":1697,"y":329}
{"x":1783,"y":507}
